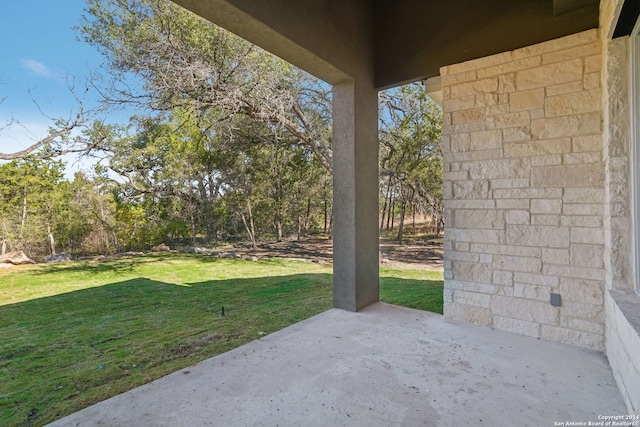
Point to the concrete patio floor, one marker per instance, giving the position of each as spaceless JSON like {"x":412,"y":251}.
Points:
{"x":384,"y":366}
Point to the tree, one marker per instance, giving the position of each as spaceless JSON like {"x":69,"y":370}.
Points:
{"x":411,"y":157}
{"x":30,"y":201}
{"x":237,"y":139}
{"x":90,"y":221}
{"x":228,"y":123}
{"x":185,"y":61}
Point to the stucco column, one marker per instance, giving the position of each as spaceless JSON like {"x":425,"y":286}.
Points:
{"x":355,"y":193}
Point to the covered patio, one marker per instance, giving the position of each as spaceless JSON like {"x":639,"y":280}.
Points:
{"x":363,"y":46}
{"x":383,"y":366}
{"x":539,"y":268}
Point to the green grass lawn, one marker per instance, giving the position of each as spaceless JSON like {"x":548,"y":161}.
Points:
{"x":76,"y":333}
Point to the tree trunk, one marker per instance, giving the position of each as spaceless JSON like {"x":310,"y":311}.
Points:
{"x":413,"y":225}
{"x":326,"y":215}
{"x":52,"y":242}
{"x":390,"y":206}
{"x":401,"y":226}
{"x":384,"y":211}
{"x":385,"y":206}
{"x":23,"y":220}
{"x":437,"y":219}
{"x":392,"y":214}
{"x":277,"y":221}
{"x":5,"y":239}
{"x":279,"y":229}
{"x":307,"y":219}
{"x":249,"y":225}
{"x":105,"y":227}
{"x":207,"y":199}
{"x":194,"y":233}
{"x":248,"y":229}
{"x":439,"y":224}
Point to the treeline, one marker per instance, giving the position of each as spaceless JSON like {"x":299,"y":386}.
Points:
{"x":167,"y":181}
{"x":232,"y":144}
{"x":267,"y":194}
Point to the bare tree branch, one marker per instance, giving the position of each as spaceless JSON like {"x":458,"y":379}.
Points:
{"x":62,"y":131}
{"x":59,"y":141}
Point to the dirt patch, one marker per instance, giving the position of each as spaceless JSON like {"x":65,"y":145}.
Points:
{"x":416,"y":255}
{"x":419,"y":255}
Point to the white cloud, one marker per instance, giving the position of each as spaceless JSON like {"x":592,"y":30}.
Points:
{"x":39,"y":69}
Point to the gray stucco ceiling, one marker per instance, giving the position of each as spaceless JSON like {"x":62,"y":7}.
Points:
{"x":414,"y":38}
{"x":394,"y":41}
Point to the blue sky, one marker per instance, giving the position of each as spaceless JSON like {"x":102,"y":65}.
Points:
{"x":40,"y":57}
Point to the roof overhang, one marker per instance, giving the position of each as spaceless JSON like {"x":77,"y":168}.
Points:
{"x":394,"y":42}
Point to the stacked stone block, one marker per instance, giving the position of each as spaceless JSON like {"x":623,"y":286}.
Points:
{"x":622,"y":303}
{"x":524,"y":190}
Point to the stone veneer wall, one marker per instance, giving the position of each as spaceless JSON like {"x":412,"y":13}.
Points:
{"x":524,"y":191}
{"x":622,"y":303}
